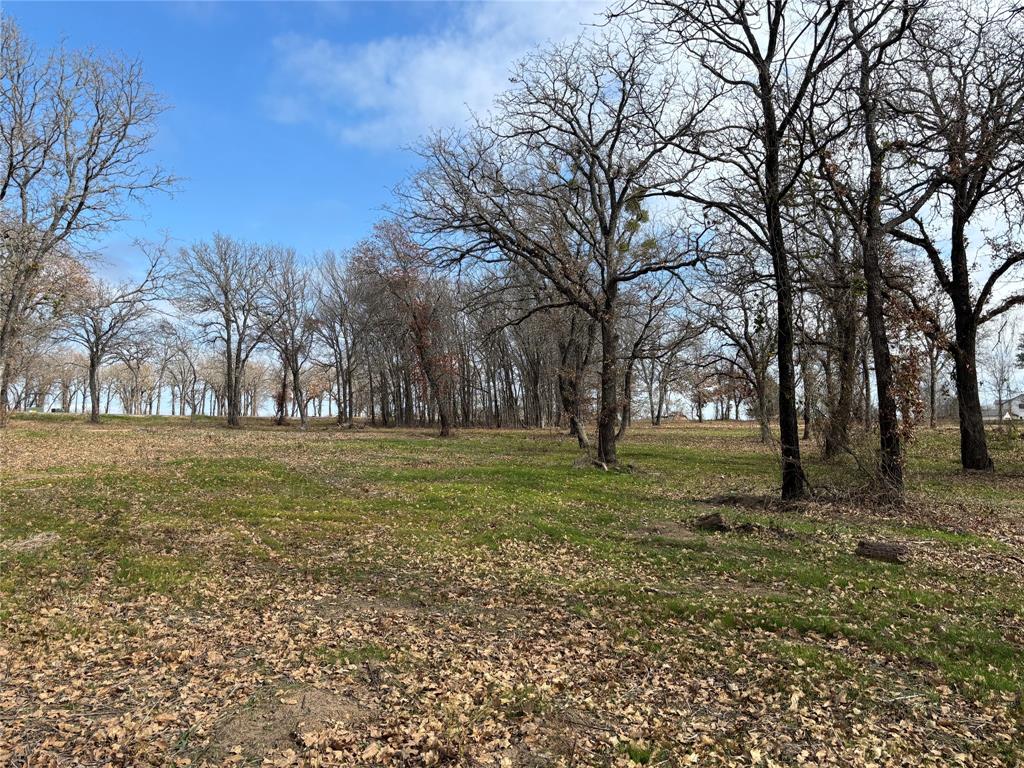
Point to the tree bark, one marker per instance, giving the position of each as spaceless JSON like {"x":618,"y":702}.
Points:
{"x":891,"y":460}
{"x":606,"y":431}
{"x":793,"y":480}
{"x":973,"y":445}
{"x":889,"y":552}
{"x":837,"y":435}
{"x":298,"y":396}
{"x":5,"y":412}
{"x":94,"y":389}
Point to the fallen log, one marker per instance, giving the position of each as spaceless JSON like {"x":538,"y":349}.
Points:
{"x":890,"y":552}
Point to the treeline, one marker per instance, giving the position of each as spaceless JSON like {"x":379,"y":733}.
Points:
{"x":224,"y":327}
{"x":806,"y":212}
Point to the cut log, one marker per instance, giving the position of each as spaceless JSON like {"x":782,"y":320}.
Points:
{"x":712,"y":522}
{"x":890,"y":552}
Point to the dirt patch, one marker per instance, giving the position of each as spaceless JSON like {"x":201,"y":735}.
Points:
{"x":32,"y":543}
{"x":349,"y":604}
{"x":276,"y":720}
{"x":742,"y":501}
{"x":669,"y":530}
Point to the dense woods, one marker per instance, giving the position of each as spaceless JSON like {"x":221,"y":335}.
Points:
{"x":804,"y":214}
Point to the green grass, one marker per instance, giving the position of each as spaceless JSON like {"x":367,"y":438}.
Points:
{"x":157,"y":573}
{"x":379,"y":513}
{"x":352,"y":655}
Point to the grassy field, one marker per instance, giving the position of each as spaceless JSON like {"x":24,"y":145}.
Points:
{"x":175,"y":594}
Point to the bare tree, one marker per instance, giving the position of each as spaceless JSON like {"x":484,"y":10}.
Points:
{"x":1000,"y":364}
{"x":648,"y":309}
{"x":224,"y":286}
{"x":104,"y":315}
{"x":423,"y":305}
{"x":733,"y":299}
{"x":870,"y":180}
{"x":767,"y":59}
{"x":75,"y":132}
{"x":291,"y":307}
{"x":829,"y":267}
{"x":336,"y":329}
{"x":184,"y":358}
{"x":135,"y":355}
{"x":967,"y":98}
{"x":556,"y":180}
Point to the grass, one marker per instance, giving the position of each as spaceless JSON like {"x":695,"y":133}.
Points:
{"x":354,"y":655}
{"x":364,"y":543}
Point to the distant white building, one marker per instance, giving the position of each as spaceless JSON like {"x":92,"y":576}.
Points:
{"x":1013,"y":408}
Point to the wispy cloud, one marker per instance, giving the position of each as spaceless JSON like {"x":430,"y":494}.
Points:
{"x":393,"y":89}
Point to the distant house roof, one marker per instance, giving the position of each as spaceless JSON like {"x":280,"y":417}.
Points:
{"x":1013,"y":406}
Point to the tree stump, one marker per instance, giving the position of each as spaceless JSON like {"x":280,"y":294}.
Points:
{"x":890,"y":552}
{"x":712,"y":522}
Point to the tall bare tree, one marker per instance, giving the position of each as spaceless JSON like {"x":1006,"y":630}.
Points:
{"x":967,"y":99}
{"x":76,"y":129}
{"x":104,"y":315}
{"x":733,"y":300}
{"x":873,"y":187}
{"x":224,"y":286}
{"x":766,"y":58}
{"x":423,"y":305}
{"x":335,"y":327}
{"x":555,"y":182}
{"x":291,"y":307}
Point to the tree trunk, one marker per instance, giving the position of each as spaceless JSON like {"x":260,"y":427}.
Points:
{"x":4,"y":393}
{"x":837,"y":435}
{"x":793,"y":479}
{"x":890,"y":466}
{"x":568,"y":390}
{"x":94,"y":389}
{"x":761,"y":396}
{"x":298,"y":396}
{"x":973,"y":446}
{"x":627,"y":405}
{"x":933,"y":372}
{"x":805,"y":374}
{"x":234,"y":398}
{"x":890,"y":552}
{"x":609,"y":385}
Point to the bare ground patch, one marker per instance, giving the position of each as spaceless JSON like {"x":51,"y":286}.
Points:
{"x":281,"y":721}
{"x":32,"y":543}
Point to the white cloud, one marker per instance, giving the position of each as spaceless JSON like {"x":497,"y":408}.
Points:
{"x":391,"y":90}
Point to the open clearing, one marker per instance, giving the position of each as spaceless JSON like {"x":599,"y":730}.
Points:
{"x":184,"y":595}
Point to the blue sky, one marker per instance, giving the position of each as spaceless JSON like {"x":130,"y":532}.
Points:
{"x":291,"y":122}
